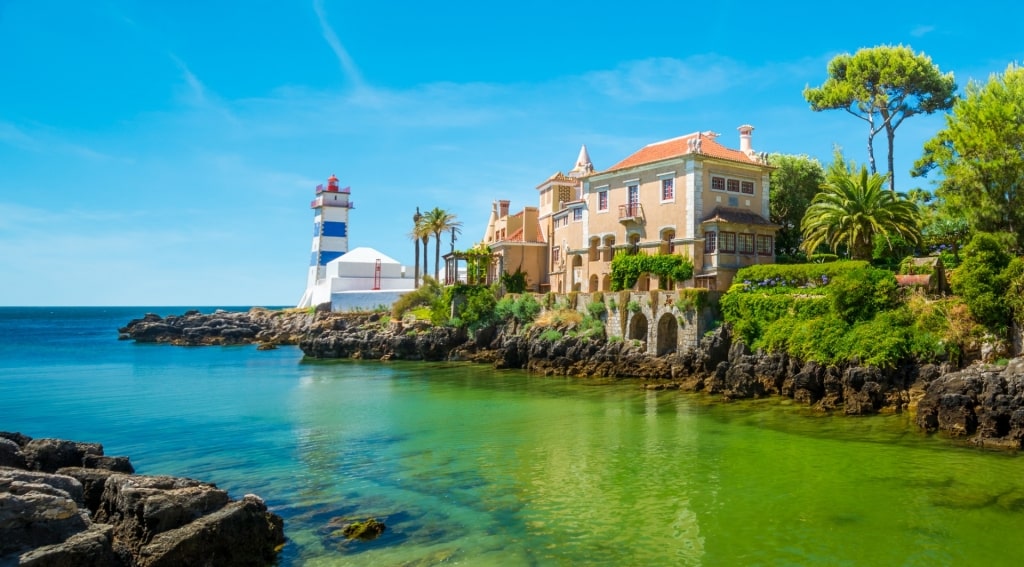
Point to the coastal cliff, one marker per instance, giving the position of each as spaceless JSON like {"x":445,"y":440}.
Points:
{"x":66,"y":503}
{"x":981,"y":404}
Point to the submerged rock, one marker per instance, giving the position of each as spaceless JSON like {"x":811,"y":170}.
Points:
{"x":365,"y":530}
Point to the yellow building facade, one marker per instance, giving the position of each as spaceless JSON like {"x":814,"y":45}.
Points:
{"x":689,"y":195}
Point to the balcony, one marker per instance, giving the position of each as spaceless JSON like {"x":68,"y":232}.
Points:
{"x":321,"y":202}
{"x":631,"y":213}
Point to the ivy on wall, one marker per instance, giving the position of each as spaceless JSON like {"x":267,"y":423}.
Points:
{"x":627,"y":268}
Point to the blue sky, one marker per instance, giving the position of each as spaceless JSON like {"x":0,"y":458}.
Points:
{"x":165,"y":153}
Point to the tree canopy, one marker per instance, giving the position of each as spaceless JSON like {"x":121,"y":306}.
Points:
{"x":980,"y":154}
{"x":852,"y":209}
{"x":883,"y":85}
{"x":795,"y":180}
{"x":438,"y":221}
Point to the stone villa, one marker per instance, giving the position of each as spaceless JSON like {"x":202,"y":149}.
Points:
{"x":689,"y":195}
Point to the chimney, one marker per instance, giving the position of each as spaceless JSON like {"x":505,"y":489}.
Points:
{"x":745,"y":132}
{"x":502,"y":209}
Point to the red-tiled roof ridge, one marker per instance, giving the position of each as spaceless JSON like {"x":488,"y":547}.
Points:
{"x":517,"y":236}
{"x":679,"y":146}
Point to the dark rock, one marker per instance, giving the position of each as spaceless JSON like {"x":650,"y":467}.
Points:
{"x":241,"y":533}
{"x":48,"y":519}
{"x":11,"y":455}
{"x":116,"y":464}
{"x":92,"y":547}
{"x":48,"y":455}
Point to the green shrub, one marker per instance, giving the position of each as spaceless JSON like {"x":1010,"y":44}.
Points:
{"x":981,"y":282}
{"x":858,"y":294}
{"x":633,"y":306}
{"x":589,"y":328}
{"x":477,"y":307}
{"x":523,"y":309}
{"x":691,"y":299}
{"x":551,"y":335}
{"x":425,"y":295}
{"x":761,"y":276}
{"x":822,"y":258}
{"x":596,"y":309}
{"x":514,"y":283}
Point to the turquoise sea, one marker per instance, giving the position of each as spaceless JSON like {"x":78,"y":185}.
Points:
{"x":471,"y":466}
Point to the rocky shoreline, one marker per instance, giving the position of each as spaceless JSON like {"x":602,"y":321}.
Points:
{"x":981,"y":404}
{"x":64,"y":503}
{"x":258,"y":325}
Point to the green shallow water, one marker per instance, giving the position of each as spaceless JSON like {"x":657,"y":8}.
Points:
{"x":472,"y":466}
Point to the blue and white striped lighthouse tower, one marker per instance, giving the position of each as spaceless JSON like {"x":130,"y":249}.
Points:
{"x":330,"y":235}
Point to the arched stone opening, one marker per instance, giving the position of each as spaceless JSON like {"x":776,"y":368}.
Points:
{"x":609,"y":251}
{"x":606,"y":282}
{"x":592,"y":252}
{"x":593,"y":284}
{"x":638,"y":327}
{"x":668,"y":333}
{"x":577,"y":272}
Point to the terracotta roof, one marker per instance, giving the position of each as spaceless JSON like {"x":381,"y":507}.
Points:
{"x":911,"y":281}
{"x":680,"y":146}
{"x":735,"y":216}
{"x":517,"y":236}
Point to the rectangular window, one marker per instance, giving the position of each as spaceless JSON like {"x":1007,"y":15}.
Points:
{"x":733,"y":185}
{"x":710,"y":242}
{"x":577,"y":215}
{"x":555,"y":254}
{"x":718,"y":183}
{"x":746,"y":243}
{"x":764,"y":245}
{"x":728,"y":243}
{"x":668,"y":190}
{"x":747,"y":187}
{"x":602,"y":200}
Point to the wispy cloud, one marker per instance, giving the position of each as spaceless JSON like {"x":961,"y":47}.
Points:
{"x":43,"y":139}
{"x":664,"y":79}
{"x":348,"y":66}
{"x":922,"y":30}
{"x":196,"y":88}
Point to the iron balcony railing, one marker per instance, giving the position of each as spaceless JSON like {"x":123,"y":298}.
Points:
{"x":631,"y":211}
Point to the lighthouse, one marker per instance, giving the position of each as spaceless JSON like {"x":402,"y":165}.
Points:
{"x":330,"y":236}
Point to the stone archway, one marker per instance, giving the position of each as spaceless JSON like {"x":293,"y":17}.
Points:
{"x":577,"y":273}
{"x":593,"y":283}
{"x":668,"y":333}
{"x":638,"y":328}
{"x":606,"y":283}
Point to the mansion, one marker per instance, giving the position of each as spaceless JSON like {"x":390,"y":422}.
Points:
{"x":689,"y":195}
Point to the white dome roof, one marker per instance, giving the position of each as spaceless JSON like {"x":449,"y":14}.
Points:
{"x":363,"y":255}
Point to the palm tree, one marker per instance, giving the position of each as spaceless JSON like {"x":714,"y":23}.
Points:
{"x":422,"y":231}
{"x":852,"y":209}
{"x":414,"y":235}
{"x":440,"y":221}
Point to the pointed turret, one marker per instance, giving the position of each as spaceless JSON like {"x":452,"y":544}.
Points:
{"x":489,"y":236}
{"x":583,"y":164}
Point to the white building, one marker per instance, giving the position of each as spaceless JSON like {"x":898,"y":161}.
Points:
{"x":362,"y":278}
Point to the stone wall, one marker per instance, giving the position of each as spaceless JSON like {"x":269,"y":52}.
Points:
{"x":661,"y":321}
